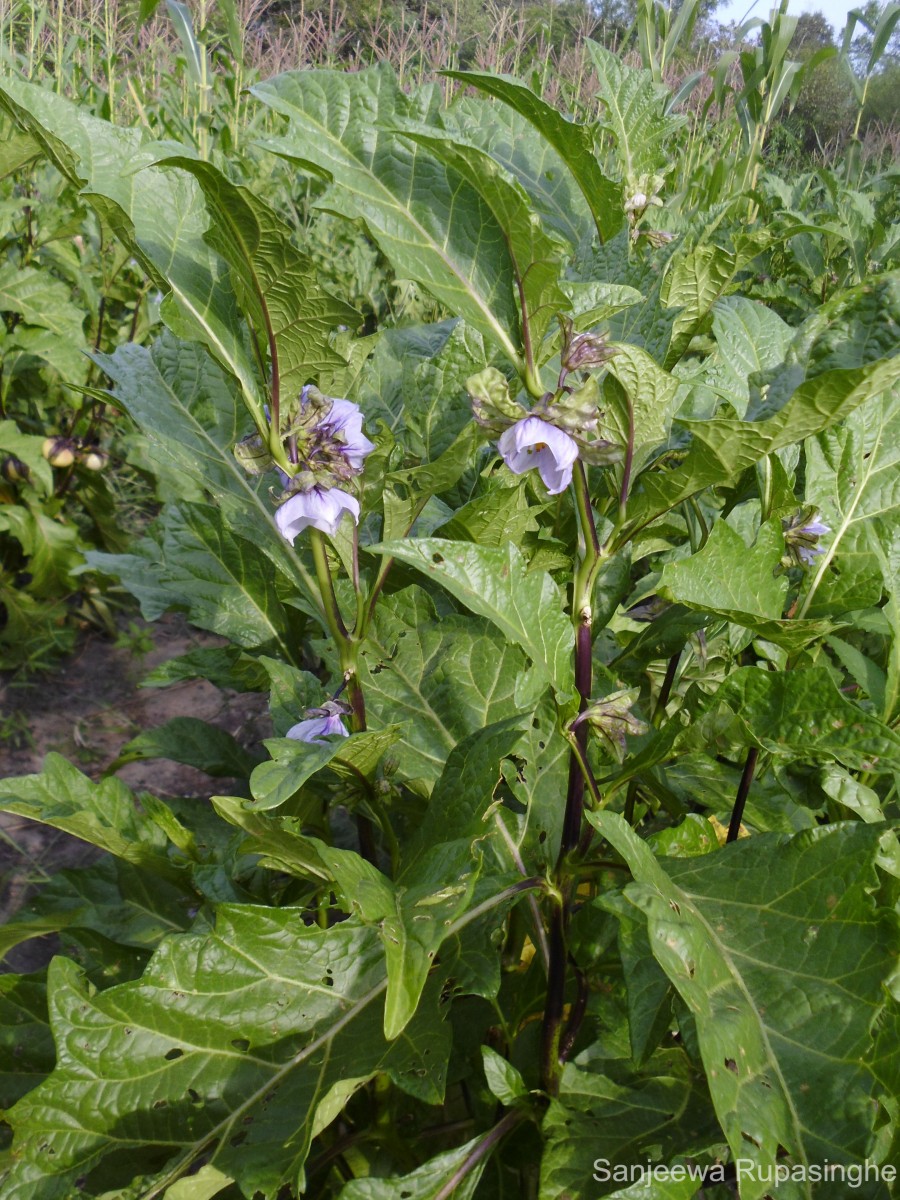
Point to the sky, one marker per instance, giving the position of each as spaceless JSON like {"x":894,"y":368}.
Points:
{"x":835,"y":10}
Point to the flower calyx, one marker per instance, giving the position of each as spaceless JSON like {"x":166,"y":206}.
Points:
{"x":801,"y":538}
{"x":612,"y":720}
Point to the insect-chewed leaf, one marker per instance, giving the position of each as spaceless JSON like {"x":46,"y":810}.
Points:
{"x":776,"y":946}
{"x":245,"y":1033}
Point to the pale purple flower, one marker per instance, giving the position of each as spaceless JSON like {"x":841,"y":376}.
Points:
{"x":345,"y":418}
{"x":317,"y":729}
{"x":801,"y":539}
{"x":532,"y":442}
{"x":319,"y":508}
{"x":816,"y":528}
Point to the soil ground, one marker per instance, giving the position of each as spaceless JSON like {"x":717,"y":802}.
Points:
{"x":86,"y":709}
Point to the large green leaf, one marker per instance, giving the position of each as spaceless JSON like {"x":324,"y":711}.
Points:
{"x":45,"y":302}
{"x":634,"y":113}
{"x":802,"y":714}
{"x":517,"y":145}
{"x":191,"y":413}
{"x":138,"y":201}
{"x":853,"y":478}
{"x":432,"y":225}
{"x":448,"y":674}
{"x":465,"y":790}
{"x":193,"y":742}
{"x":536,"y":258}
{"x":415,"y":382}
{"x":127,"y":904}
{"x":750,"y":338}
{"x":105,"y":814}
{"x":250,"y":1034}
{"x":26,"y":1047}
{"x":740,"y":584}
{"x":777,"y":948}
{"x":573,"y":143}
{"x":638,"y":412}
{"x":695,"y":280}
{"x":610,"y":1114}
{"x":291,"y":315}
{"x":223,"y":580}
{"x":723,"y":448}
{"x":525,"y":605}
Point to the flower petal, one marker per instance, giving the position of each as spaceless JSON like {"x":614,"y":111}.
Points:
{"x":319,"y":508}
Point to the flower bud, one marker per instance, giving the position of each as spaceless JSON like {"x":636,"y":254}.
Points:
{"x":59,"y":451}
{"x":14,"y":470}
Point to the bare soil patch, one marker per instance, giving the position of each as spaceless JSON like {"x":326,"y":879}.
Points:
{"x":86,"y":710}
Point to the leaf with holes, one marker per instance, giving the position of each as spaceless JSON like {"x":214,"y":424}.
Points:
{"x":778,"y":949}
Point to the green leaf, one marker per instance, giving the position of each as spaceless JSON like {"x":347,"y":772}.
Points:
{"x":219,"y":1056}
{"x":536,"y":258}
{"x":465,"y":790}
{"x":224,"y":581}
{"x":634,"y":113}
{"x":294,"y":763}
{"x":43,"y":301}
{"x":511,"y":139}
{"x":415,"y":382}
{"x":784,"y":981}
{"x":740,"y":584}
{"x":291,"y":692}
{"x":749,"y":338}
{"x":129,"y":905}
{"x":194,"y":53}
{"x":802,"y":714}
{"x":574,"y":144}
{"x":609,"y":1113}
{"x":27,"y":447}
{"x":291,"y":315}
{"x":722,"y":448}
{"x":638,"y":413}
{"x":852,"y":477}
{"x":447,"y":674}
{"x":649,"y":991}
{"x":136,"y":199}
{"x":193,"y":742}
{"x":104,"y":814}
{"x":695,"y":280}
{"x":504,"y":1081}
{"x":224,"y":666}
{"x":279,"y":840}
{"x":191,"y":413}
{"x":426,"y":1181}
{"x":494,"y":583}
{"x":208,"y":1182}
{"x":432,"y":226}
{"x":26,"y":1046}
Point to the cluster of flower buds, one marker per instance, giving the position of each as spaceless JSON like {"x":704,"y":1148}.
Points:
{"x":643,"y":197}
{"x":65,"y":451}
{"x":801,"y":538}
{"x":612,"y":720}
{"x":560,"y":428}
{"x":327,"y":447}
{"x":320,"y":723}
